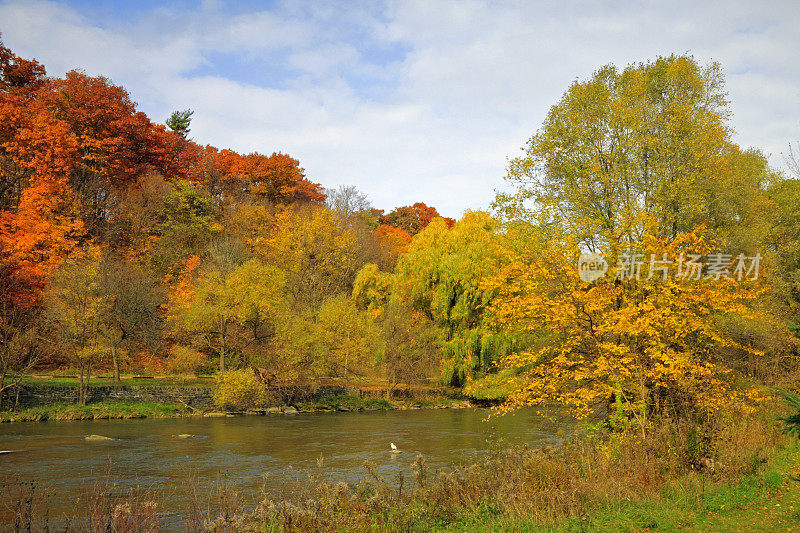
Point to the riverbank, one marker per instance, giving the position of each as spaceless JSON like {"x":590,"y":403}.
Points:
{"x":735,"y":473}
{"x":105,"y":410}
{"x":95,"y":411}
{"x":768,"y":500}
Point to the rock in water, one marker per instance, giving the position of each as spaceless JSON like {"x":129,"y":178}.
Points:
{"x":185,"y":436}
{"x":97,"y":438}
{"x":3,"y":452}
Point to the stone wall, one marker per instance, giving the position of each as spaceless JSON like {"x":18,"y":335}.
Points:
{"x":34,"y":395}
{"x":196,"y":397}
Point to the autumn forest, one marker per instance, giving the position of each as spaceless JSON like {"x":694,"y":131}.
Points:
{"x":128,"y":247}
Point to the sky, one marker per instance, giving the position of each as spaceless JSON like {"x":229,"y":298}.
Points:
{"x":408,"y":101}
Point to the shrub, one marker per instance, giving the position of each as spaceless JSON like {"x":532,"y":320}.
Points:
{"x":239,"y":389}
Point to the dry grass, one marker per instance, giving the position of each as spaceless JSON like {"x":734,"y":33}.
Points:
{"x":99,"y":508}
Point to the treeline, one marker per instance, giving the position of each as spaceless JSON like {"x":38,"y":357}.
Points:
{"x":125,"y":245}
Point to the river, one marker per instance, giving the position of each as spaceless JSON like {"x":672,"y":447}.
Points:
{"x":241,"y":451}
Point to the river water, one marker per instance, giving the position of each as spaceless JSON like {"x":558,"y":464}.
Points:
{"x":240,"y":451}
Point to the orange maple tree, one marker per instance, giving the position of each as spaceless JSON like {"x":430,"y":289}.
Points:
{"x":412,"y":218}
{"x":392,"y":237}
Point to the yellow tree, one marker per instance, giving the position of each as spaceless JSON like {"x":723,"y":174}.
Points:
{"x":626,"y":153}
{"x":230,"y":310}
{"x":75,"y":305}
{"x":347,"y":338}
{"x":651,"y":344}
{"x":318,"y":256}
{"x":630,"y":164}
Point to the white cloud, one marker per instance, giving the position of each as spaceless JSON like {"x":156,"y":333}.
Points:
{"x":474,"y":80}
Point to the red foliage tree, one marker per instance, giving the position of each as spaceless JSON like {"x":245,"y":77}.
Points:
{"x":278,"y":178}
{"x":412,"y":218}
{"x":392,"y":237}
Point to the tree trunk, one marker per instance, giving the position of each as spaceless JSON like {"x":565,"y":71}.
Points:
{"x":86,"y":386}
{"x":222,"y":359}
{"x":83,"y":387}
{"x":390,"y":385}
{"x":115,"y":361}
{"x":81,"y":400}
{"x":643,"y":393}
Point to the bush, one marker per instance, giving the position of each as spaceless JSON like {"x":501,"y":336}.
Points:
{"x":239,"y":389}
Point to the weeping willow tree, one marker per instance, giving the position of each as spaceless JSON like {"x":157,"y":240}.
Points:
{"x":472,"y":350}
{"x":440,"y":276}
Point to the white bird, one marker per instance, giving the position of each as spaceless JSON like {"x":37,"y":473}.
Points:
{"x":394,"y":448}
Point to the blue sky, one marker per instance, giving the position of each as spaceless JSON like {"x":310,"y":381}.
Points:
{"x":409,"y":101}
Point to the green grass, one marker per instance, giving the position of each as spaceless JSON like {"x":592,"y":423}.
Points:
{"x":99,"y":410}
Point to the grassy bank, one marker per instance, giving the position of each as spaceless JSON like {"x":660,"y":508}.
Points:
{"x":122,"y":410}
{"x":355,"y":403}
{"x":99,"y":410}
{"x":768,"y":500}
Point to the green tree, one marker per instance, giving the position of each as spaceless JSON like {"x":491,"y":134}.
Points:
{"x":784,"y":238}
{"x":186,"y":226}
{"x":440,"y":276}
{"x":627,"y":153}
{"x":179,"y":121}
{"x":371,"y":288}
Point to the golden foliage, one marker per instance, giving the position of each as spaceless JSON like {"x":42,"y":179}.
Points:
{"x":239,"y":389}
{"x":652,"y":344}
